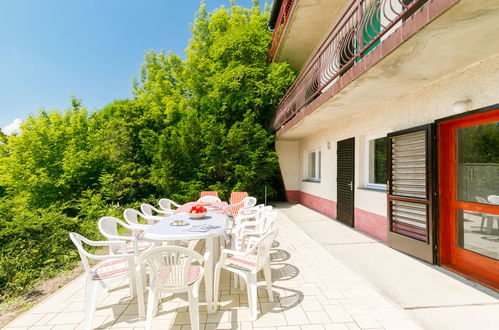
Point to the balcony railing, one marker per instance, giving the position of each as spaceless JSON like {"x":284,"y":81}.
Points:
{"x":359,"y":30}
{"x":282,"y":19}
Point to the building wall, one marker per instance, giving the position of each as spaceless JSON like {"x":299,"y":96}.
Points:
{"x":476,"y":84}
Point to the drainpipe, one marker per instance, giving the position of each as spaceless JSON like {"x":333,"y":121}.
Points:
{"x":274,"y":14}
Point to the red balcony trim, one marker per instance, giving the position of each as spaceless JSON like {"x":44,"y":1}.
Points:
{"x":283,"y":121}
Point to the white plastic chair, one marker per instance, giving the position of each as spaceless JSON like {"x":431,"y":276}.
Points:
{"x":108,"y":226}
{"x":209,"y":199}
{"x":171,"y":270}
{"x":113,"y":269}
{"x":166,"y":204}
{"x":151,"y":212}
{"x":247,"y":233}
{"x":251,"y":214}
{"x":245,"y":203}
{"x":247,"y":264}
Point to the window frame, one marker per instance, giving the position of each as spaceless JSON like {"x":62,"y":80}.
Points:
{"x":318,"y":156}
{"x":367,"y":161}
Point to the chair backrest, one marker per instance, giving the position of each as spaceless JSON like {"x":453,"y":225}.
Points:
{"x":147,"y":209}
{"x":165,"y":204}
{"x":209,"y":199}
{"x":132,"y":216}
{"x":77,"y":240}
{"x":493,"y":199}
{"x":263,"y":247}
{"x":249,"y":201}
{"x":108,"y":226}
{"x":170,"y":265}
{"x":268,"y":222}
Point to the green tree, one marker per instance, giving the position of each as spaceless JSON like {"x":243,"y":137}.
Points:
{"x":194,"y":124}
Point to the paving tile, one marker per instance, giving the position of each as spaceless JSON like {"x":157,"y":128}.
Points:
{"x":45,"y":320}
{"x":366,"y":321}
{"x":336,"y":326}
{"x":26,"y":320}
{"x":318,"y":317}
{"x":312,"y":327}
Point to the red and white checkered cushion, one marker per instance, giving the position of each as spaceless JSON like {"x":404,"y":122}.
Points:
{"x":110,"y":269}
{"x":247,"y":262}
{"x":163,"y":278}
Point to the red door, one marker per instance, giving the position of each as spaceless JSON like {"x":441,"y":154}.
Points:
{"x":468,"y":155}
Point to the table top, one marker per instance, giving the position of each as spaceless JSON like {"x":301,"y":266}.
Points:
{"x":163,"y":230}
{"x":187,"y":206}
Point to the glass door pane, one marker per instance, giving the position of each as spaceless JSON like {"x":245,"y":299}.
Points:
{"x":478,"y":232}
{"x":478,"y":163}
{"x":477,"y":156}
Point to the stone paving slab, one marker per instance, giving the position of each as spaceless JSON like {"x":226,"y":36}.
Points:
{"x":312,"y":290}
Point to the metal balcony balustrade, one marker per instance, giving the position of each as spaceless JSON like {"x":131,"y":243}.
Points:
{"x":358,"y":31}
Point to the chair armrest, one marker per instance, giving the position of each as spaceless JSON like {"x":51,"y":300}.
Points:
{"x":154,"y":217}
{"x":118,"y":237}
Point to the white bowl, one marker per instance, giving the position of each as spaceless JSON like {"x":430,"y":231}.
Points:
{"x":197,"y":215}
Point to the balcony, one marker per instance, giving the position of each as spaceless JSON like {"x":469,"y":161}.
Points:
{"x":366,"y":33}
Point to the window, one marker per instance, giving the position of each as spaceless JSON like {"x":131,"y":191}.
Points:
{"x":376,"y":162}
{"x":313,"y":166}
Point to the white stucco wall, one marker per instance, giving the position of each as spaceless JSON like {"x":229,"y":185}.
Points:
{"x":289,"y":162}
{"x":477,"y":83}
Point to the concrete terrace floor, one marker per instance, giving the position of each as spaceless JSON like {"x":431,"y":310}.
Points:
{"x":326,"y":276}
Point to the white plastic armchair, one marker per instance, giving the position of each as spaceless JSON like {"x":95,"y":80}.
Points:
{"x":247,"y":264}
{"x":245,"y":203}
{"x":166,"y":204}
{"x":209,"y":199}
{"x":153,"y":213}
{"x":108,"y":226}
{"x":252,"y":214}
{"x":133,"y":218}
{"x":113,"y":269}
{"x":247,"y":234}
{"x":172,"y":269}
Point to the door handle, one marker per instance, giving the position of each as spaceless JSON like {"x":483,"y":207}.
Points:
{"x":351,"y":185}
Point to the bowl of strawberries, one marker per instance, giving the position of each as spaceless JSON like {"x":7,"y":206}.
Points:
{"x":197,"y":211}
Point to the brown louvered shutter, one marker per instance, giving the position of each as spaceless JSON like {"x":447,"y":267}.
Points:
{"x":410,"y":192}
{"x":345,"y":181}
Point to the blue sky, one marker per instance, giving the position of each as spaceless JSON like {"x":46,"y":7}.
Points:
{"x":89,"y":48}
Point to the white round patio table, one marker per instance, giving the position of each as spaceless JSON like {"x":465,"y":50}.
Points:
{"x":164,"y":231}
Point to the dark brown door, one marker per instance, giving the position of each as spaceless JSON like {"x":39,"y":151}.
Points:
{"x":345,"y":181}
{"x":410,"y":192}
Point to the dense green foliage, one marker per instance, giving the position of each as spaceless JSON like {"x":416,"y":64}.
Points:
{"x":194,"y":124}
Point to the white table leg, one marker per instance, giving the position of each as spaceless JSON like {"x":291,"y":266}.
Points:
{"x":140,"y":279}
{"x":208,"y":274}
